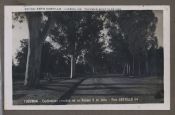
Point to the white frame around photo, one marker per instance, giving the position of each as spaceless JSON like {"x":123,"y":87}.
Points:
{"x":8,"y":101}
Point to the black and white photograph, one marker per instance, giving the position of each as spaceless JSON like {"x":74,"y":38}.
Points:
{"x":75,"y":56}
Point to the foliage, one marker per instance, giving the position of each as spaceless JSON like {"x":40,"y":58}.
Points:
{"x":131,"y":41}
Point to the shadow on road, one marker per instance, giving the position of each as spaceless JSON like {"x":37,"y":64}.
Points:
{"x":69,"y":93}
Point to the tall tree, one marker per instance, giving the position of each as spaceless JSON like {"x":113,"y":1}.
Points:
{"x":118,"y":43}
{"x":72,"y":35}
{"x":95,"y":45}
{"x":38,"y":30}
{"x":137,"y":29}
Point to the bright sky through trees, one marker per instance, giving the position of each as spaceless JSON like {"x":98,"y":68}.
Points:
{"x":20,"y":31}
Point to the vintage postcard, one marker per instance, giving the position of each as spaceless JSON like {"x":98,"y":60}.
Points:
{"x":87,"y":57}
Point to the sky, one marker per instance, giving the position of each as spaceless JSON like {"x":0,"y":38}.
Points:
{"x":159,"y":28}
{"x":20,"y":31}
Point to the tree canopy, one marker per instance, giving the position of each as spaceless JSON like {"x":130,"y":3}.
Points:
{"x":129,"y":47}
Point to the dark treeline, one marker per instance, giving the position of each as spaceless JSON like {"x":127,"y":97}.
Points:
{"x":78,"y":44}
{"x":53,"y":62}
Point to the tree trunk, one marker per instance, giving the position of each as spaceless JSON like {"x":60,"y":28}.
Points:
{"x":32,"y":73}
{"x":146,"y":67}
{"x":139,"y":69}
{"x":93,"y":69}
{"x":124,"y":68}
{"x":129,"y":67}
{"x":72,"y":73}
{"x":133,"y":68}
{"x":37,"y":34}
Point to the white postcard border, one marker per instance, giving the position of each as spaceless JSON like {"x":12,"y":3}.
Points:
{"x":8,"y":105}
